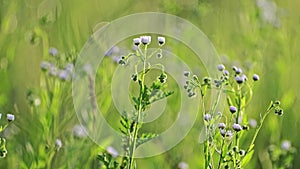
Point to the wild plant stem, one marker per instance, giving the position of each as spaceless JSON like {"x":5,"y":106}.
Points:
{"x":221,"y":154}
{"x":136,"y":128}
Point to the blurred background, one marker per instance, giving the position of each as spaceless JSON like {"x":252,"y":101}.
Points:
{"x":261,"y":35}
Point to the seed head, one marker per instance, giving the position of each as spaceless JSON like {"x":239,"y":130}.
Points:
{"x":255,"y":77}
{"x":161,"y":40}
{"x":232,"y":109}
{"x":186,"y":73}
{"x":236,"y":127}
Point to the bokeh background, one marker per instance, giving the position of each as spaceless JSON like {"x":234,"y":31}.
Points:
{"x":262,"y":35}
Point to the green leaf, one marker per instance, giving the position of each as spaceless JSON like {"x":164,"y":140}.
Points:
{"x":247,"y":158}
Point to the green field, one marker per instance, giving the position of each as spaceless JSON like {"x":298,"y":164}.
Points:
{"x":261,"y":36}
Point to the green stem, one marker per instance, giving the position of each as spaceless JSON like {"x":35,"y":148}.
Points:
{"x":221,"y":154}
{"x":136,"y":128}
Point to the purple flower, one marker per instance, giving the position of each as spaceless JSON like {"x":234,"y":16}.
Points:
{"x":236,"y":127}
{"x":207,"y":117}
{"x":232,"y":109}
{"x":53,"y":51}
{"x":161,"y":40}
{"x":221,"y":67}
{"x":45,"y":65}
{"x":286,"y":145}
{"x":10,"y":117}
{"x":226,"y":72}
{"x":238,"y":71}
{"x":239,"y":79}
{"x":145,"y":40}
{"x":255,"y":77}
{"x":112,"y":151}
{"x":221,"y":125}
{"x":137,"y":41}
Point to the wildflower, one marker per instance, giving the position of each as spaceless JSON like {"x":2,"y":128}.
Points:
{"x":69,"y":67}
{"x":221,"y":125}
{"x":45,"y":65}
{"x":236,"y":127}
{"x":226,"y":72}
{"x":228,"y":134}
{"x":232,"y":109}
{"x":64,"y":75}
{"x":239,"y":79}
{"x":244,"y":77}
{"x":221,"y":67}
{"x":137,"y":41}
{"x":53,"y":51}
{"x":10,"y":117}
{"x":0,"y":115}
{"x":183,"y":165}
{"x":255,"y":77}
{"x":112,"y":151}
{"x":161,"y":40}
{"x":37,"y":102}
{"x":252,"y":123}
{"x":286,"y":145}
{"x":58,"y":143}
{"x":52,"y":70}
{"x":245,"y":127}
{"x":223,"y":132}
{"x":145,"y":40}
{"x":279,"y":111}
{"x":238,"y":71}
{"x":186,"y":73}
{"x":79,"y":131}
{"x":207,"y":117}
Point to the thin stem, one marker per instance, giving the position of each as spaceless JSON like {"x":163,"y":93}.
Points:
{"x":221,"y":154}
{"x":136,"y":128}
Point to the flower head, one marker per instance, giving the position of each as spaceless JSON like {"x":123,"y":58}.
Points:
{"x":207,"y":117}
{"x":221,"y":67}
{"x":10,"y":117}
{"x":183,"y":165}
{"x":236,"y":127}
{"x":53,"y":51}
{"x":255,"y":77}
{"x":112,"y":151}
{"x":186,"y":73}
{"x":137,"y":41}
{"x":161,"y":40}
{"x":239,"y":79}
{"x":286,"y":145}
{"x":58,"y":143}
{"x":221,"y":125}
{"x":232,"y":109}
{"x":146,"y":40}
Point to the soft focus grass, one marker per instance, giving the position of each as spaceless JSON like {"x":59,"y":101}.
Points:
{"x":234,"y":27}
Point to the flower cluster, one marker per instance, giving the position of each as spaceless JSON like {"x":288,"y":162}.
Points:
{"x":232,"y":125}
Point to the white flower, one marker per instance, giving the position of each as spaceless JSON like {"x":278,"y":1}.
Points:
{"x":183,"y":165}
{"x":286,"y":145}
{"x":145,"y":40}
{"x":37,"y":102}
{"x":137,"y":41}
{"x":112,"y":151}
{"x":0,"y":115}
{"x":58,"y":143}
{"x":10,"y":117}
{"x":161,"y":40}
{"x":79,"y":131}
